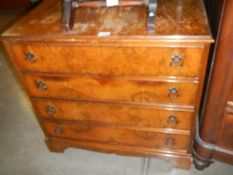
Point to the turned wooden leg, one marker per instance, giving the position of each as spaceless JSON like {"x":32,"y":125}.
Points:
{"x":199,"y":162}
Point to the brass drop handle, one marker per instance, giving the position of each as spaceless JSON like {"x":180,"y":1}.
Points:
{"x":176,"y":61}
{"x":51,"y":110}
{"x":170,"y":141}
{"x":30,"y":57}
{"x":58,"y":130}
{"x":172,"y":119}
{"x":173,"y":92}
{"x":41,"y":85}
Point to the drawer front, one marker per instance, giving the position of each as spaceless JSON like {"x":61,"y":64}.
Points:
{"x":139,"y":61}
{"x":117,"y":135}
{"x":106,"y":89}
{"x":113,"y":114}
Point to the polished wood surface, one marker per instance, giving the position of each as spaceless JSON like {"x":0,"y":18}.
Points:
{"x":136,"y":116}
{"x":111,"y":89}
{"x":109,"y":60}
{"x":225,"y":136}
{"x":111,"y":135}
{"x":132,"y":92}
{"x":216,"y":124}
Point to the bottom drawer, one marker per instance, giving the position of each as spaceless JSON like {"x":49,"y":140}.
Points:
{"x":123,"y":136}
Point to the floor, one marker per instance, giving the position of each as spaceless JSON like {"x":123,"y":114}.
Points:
{"x":22,"y":148}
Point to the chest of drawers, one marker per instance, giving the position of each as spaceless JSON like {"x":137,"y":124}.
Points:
{"x":130,"y":92}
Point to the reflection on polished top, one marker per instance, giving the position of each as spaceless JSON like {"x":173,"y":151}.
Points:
{"x":173,"y":19}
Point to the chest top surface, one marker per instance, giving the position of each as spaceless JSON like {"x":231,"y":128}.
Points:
{"x":175,"y":19}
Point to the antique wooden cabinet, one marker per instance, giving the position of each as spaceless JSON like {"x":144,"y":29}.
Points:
{"x":110,"y":85}
{"x":215,"y":140}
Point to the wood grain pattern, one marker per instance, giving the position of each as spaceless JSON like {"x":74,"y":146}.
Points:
{"x":109,"y":60}
{"x":106,"y":89}
{"x":110,"y":135}
{"x":113,"y":114}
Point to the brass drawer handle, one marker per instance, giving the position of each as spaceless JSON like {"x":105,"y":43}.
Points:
{"x":172,"y":119}
{"x":58,"y":130}
{"x":41,"y":85}
{"x":51,"y":110}
{"x":173,"y":92}
{"x":30,"y":57}
{"x":170,"y":141}
{"x":176,"y":61}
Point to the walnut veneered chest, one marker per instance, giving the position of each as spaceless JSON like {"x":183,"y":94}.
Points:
{"x":109,"y":85}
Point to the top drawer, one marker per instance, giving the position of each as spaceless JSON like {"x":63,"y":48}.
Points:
{"x":98,"y":60}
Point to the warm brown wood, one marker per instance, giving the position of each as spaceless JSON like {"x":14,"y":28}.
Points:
{"x":132,"y":92}
{"x":115,"y":114}
{"x":111,"y":89}
{"x":113,"y":135}
{"x":109,"y":60}
{"x":225,"y":136}
{"x":216,"y":124}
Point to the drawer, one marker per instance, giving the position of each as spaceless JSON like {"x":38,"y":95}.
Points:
{"x":113,"y":114}
{"x":117,"y":135}
{"x":139,"y":61}
{"x":109,"y":89}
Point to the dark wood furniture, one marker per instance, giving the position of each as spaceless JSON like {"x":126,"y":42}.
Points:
{"x":216,"y":126}
{"x":6,"y":4}
{"x":111,"y":86}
